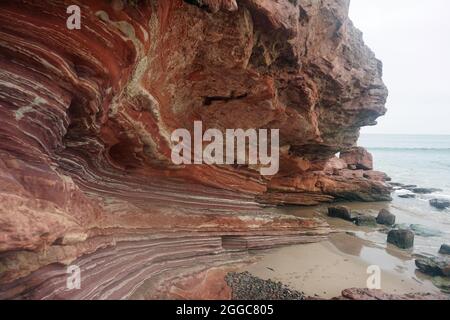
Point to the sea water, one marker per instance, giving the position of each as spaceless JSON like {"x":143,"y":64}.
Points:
{"x":422,"y":160}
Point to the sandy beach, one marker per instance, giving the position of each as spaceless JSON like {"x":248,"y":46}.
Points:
{"x":325,"y":269}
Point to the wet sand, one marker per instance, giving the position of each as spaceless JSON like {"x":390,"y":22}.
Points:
{"x":325,"y":269}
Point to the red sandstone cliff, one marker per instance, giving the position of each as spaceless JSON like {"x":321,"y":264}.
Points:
{"x":85,"y":123}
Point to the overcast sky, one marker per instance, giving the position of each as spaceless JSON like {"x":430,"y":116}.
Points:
{"x":412,"y":38}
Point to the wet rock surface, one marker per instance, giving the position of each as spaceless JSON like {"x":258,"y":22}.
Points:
{"x":434,"y":266}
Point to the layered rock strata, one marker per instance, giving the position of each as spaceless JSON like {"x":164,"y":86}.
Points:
{"x":86,"y":115}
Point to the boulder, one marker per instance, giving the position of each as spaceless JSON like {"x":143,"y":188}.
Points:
{"x":386,"y":218}
{"x":401,"y":238}
{"x":365,"y":221}
{"x":440,"y":203}
{"x":407,"y":196}
{"x":434,"y":266}
{"x":445,"y":249}
{"x":358,"y":158}
{"x":424,"y":190}
{"x":340,"y":212}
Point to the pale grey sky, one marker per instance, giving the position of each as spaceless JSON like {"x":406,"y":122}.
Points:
{"x":412,"y":38}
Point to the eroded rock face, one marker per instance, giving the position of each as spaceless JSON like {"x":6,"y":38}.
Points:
{"x":85,"y":123}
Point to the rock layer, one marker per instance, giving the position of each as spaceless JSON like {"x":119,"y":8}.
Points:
{"x":86,"y":117}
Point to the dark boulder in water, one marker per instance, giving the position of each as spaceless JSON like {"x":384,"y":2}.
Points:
{"x":340,"y":212}
{"x":407,"y":196}
{"x":440,"y":203}
{"x":445,"y":249}
{"x":401,"y":238}
{"x":424,"y":190}
{"x":386,"y":218}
